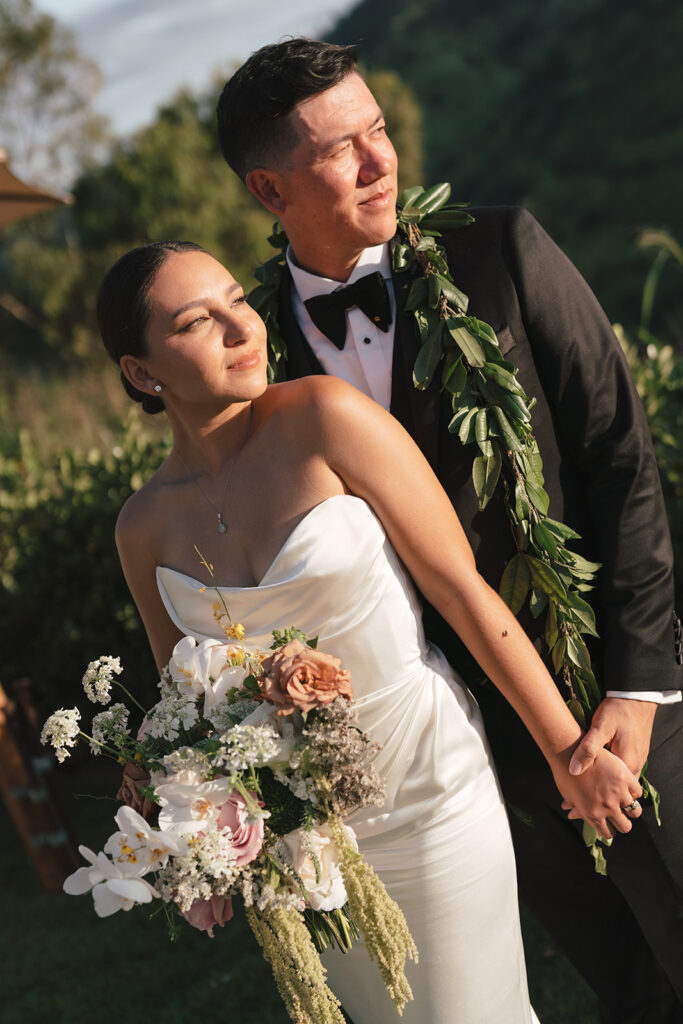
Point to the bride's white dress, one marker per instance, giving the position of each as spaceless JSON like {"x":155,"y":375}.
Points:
{"x":441,"y":842}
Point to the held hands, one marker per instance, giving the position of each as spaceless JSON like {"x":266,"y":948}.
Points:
{"x":600,"y":793}
{"x":622,"y":725}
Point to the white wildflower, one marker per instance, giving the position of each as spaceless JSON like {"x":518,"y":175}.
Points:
{"x":61,"y":731}
{"x":207,"y":869}
{"x":109,"y":726}
{"x":247,"y":746}
{"x":98,"y":678}
{"x":222,"y":716}
{"x":302,"y":786}
{"x":170,"y":714}
{"x":183,"y":758}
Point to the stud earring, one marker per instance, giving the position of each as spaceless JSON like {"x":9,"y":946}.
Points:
{"x":158,"y":388}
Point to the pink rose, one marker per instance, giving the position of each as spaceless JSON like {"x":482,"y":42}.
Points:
{"x":298,"y":678}
{"x":247,"y":839}
{"x":206,"y":914}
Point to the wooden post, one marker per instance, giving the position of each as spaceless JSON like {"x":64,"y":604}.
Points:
{"x":27,"y":787}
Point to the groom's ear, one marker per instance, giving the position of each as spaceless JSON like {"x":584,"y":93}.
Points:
{"x":265,"y":185}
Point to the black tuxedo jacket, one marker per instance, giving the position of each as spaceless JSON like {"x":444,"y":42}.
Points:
{"x":599,"y":465}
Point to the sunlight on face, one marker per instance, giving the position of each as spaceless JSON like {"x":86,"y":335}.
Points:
{"x":340,"y":183}
{"x":203,"y":339}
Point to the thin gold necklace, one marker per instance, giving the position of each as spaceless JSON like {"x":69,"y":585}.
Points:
{"x":222,"y":526}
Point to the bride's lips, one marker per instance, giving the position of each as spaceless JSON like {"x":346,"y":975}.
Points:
{"x":246,"y":362}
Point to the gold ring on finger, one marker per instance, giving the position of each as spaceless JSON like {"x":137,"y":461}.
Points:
{"x":630,"y":807}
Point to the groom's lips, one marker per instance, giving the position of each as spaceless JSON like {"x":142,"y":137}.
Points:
{"x":379,"y":198}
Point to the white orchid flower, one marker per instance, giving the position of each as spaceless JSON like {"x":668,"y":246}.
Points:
{"x":204,"y":668}
{"x":114,"y":886}
{"x":138,"y":842}
{"x":187,"y":803}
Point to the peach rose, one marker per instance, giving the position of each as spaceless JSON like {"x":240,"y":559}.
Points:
{"x":298,"y":678}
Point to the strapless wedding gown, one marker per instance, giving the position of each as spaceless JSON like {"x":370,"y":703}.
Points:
{"x":441,"y":842}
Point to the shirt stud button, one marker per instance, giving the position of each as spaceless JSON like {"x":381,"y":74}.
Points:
{"x":367,"y":340}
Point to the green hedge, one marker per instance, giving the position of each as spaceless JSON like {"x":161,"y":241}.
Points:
{"x":64,"y":600}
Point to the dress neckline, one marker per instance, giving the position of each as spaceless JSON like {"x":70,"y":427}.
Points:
{"x":283,"y":547}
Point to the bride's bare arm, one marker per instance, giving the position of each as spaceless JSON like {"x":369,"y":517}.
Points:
{"x":378,"y":461}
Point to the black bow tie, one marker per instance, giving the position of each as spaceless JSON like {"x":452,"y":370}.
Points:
{"x":369,"y":293}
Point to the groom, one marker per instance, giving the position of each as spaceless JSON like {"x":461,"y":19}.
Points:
{"x":299,"y":126}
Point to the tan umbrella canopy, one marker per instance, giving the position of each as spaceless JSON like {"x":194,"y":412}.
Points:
{"x":19,"y":200}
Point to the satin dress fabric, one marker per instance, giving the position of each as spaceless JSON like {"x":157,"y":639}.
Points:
{"x":441,"y":842}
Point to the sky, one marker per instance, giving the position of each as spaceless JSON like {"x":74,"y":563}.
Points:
{"x":148,"y":49}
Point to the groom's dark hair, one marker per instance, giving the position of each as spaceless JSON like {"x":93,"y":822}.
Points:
{"x":253,"y":127}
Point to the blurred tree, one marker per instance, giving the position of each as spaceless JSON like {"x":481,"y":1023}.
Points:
{"x":168,"y":181}
{"x":568,"y":109}
{"x":47,"y":122}
{"x":404,"y":123}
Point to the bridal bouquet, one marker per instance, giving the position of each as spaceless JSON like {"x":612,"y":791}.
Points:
{"x":235,"y":785}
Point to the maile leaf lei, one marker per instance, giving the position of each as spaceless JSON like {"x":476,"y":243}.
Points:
{"x":490,"y":410}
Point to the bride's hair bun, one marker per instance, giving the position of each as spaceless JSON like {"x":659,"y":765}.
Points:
{"x":123,"y":311}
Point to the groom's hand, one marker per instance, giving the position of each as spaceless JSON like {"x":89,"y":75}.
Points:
{"x":622,"y":725}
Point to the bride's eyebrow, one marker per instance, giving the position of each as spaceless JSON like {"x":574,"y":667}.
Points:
{"x":203,"y":301}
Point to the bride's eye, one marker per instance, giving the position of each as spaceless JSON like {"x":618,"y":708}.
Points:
{"x":238,"y":300}
{"x":192,"y":323}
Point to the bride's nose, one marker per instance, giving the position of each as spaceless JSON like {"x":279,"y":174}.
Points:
{"x":236,"y":330}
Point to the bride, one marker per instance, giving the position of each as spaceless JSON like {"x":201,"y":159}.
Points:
{"x":316,"y":509}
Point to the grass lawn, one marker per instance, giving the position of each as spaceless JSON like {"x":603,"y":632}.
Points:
{"x":63,"y":965}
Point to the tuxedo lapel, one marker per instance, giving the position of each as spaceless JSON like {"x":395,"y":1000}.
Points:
{"x":301,"y":360}
{"x":417,"y":411}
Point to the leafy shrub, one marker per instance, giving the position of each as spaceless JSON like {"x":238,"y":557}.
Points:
{"x":64,"y":600}
{"x":658,"y":372}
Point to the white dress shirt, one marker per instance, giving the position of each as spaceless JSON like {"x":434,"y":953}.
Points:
{"x":366,"y":361}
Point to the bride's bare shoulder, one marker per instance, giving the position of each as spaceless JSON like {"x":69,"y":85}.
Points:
{"x":312,"y":394}
{"x":139,"y":511}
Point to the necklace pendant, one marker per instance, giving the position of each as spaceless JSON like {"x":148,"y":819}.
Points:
{"x":222,"y":528}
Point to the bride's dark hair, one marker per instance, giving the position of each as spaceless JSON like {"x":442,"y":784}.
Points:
{"x":122,"y":308}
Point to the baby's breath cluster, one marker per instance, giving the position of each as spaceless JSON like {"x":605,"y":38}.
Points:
{"x":98,"y":678}
{"x":230,"y":711}
{"x":173,"y":712}
{"x":340,"y":755}
{"x":207,"y":869}
{"x":246,"y":746}
{"x":109,"y":727}
{"x":61,"y":731}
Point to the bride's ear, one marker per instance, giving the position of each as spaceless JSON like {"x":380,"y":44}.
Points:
{"x":266,"y":186}
{"x":135,"y":372}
